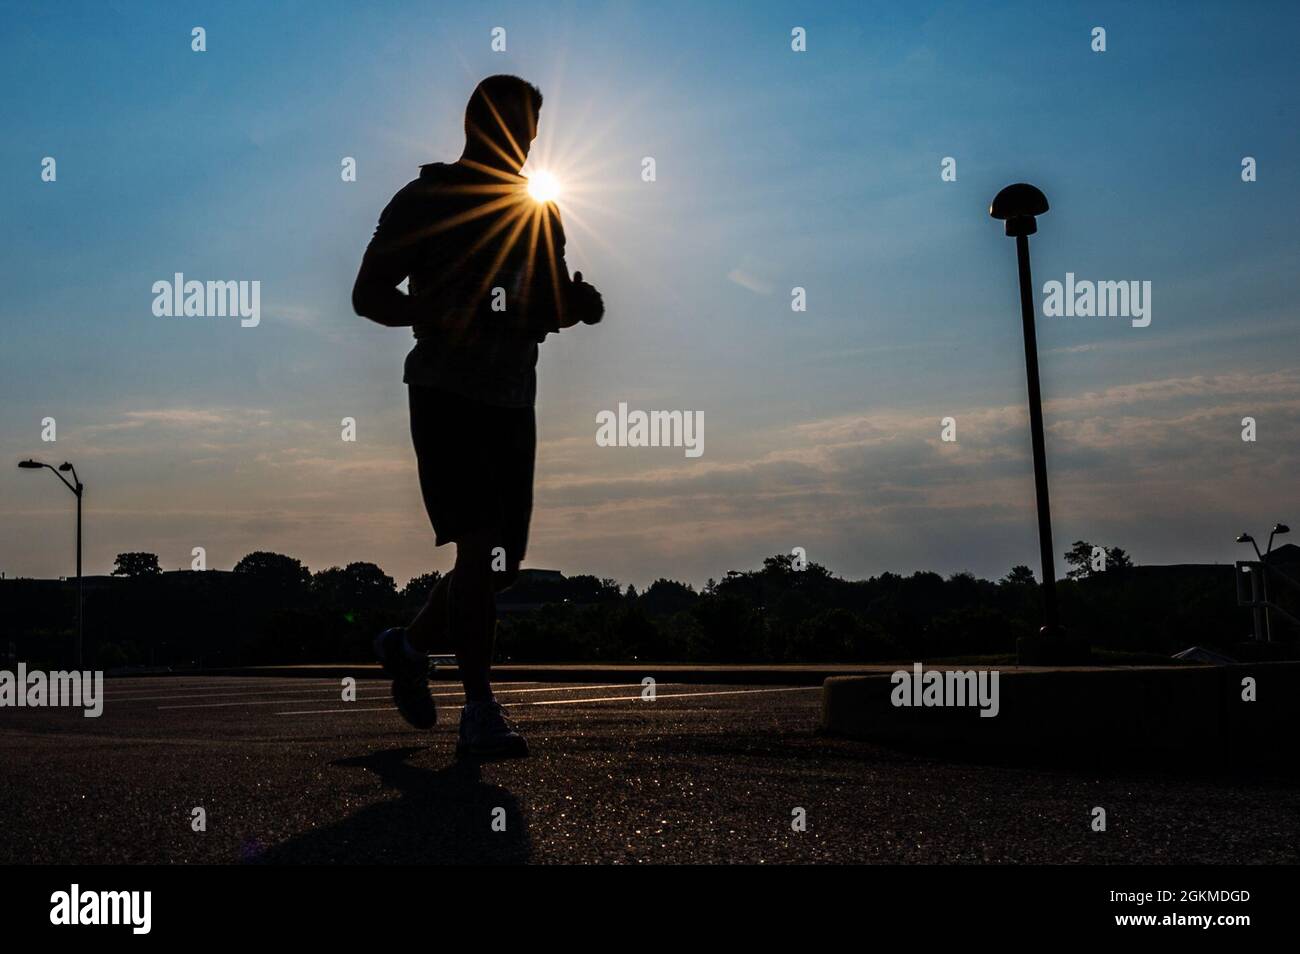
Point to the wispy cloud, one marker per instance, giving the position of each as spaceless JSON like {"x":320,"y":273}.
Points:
{"x":1149,"y":450}
{"x":748,"y":281}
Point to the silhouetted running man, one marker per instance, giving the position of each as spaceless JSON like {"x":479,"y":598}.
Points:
{"x":488,"y":282}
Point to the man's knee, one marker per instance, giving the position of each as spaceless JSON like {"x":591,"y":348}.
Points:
{"x":482,"y":557}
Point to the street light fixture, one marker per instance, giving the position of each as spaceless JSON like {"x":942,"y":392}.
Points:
{"x":78,"y":489}
{"x":1278,"y":530}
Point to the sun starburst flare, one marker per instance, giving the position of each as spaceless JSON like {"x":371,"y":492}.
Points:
{"x":559,"y":173}
{"x":543,"y":186}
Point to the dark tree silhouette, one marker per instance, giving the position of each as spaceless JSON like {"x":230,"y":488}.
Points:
{"x":773,"y":614}
{"x":358,"y":586}
{"x":1117,"y":559}
{"x":275,"y":569}
{"x":1019,"y":575}
{"x":665,"y":597}
{"x":417,"y":588}
{"x":1079,"y":559}
{"x":135,"y":565}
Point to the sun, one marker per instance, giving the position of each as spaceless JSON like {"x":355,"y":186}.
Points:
{"x":543,"y":186}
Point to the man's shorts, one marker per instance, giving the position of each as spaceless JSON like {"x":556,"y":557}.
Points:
{"x":476,"y":466}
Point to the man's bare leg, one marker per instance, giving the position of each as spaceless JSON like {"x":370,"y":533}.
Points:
{"x":473,"y":612}
{"x":484,"y":729}
{"x":460,"y":612}
{"x":408,"y":664}
{"x":431,"y":627}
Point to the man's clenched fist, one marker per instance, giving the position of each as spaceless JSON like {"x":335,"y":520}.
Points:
{"x":587,"y":304}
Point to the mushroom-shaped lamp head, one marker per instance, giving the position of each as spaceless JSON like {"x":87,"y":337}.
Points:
{"x":1018,"y":204}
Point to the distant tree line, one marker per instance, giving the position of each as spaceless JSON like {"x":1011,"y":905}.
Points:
{"x":272,"y":609}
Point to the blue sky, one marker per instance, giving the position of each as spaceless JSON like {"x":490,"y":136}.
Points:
{"x":774,"y":169}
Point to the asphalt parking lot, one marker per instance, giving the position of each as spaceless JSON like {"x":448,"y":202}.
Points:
{"x":286,"y":771}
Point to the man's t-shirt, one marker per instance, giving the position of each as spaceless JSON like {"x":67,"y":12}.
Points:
{"x":490,"y":260}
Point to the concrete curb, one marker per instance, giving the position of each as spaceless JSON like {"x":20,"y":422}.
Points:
{"x":1195,"y":711}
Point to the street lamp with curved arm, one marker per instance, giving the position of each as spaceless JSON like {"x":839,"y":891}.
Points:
{"x":78,"y":489}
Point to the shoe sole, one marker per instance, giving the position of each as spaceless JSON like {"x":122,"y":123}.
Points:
{"x":378,"y":646}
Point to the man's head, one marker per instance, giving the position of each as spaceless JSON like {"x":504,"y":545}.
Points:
{"x":501,"y":120}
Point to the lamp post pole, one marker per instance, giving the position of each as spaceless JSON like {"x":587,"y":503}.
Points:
{"x":1019,"y":205}
{"x":78,"y":489}
{"x":81,"y":602}
{"x":1259,"y":581}
{"x":1046,"y":551}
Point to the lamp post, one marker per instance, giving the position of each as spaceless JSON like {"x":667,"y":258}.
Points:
{"x":1278,"y":529}
{"x":78,"y":489}
{"x":1018,"y":205}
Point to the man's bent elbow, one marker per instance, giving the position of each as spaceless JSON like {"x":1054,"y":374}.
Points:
{"x":362,"y":303}
{"x":370,"y":306}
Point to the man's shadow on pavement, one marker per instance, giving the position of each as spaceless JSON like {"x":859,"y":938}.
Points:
{"x":442,"y":817}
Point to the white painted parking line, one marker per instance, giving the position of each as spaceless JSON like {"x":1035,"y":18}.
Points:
{"x":377,"y":709}
{"x":151,"y":692}
{"x":332,"y":686}
{"x":262,"y":702}
{"x":110,"y":690}
{"x":574,"y":702}
{"x":167,"y":685}
{"x":663,"y":695}
{"x":192,"y":694}
{"x":436,"y":695}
